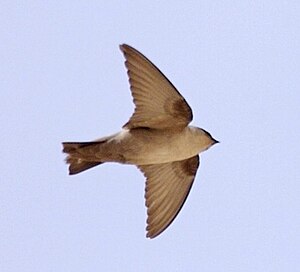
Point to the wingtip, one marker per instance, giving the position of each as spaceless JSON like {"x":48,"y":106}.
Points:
{"x":150,"y":236}
{"x":152,"y":233}
{"x":123,"y":47}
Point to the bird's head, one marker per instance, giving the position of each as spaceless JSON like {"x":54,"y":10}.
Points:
{"x":205,"y":138}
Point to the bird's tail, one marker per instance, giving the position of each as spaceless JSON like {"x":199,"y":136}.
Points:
{"x":76,"y":163}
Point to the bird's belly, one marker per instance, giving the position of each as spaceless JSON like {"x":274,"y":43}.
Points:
{"x":163,"y":155}
{"x":156,"y":150}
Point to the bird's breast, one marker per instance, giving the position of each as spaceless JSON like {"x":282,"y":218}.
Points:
{"x":146,"y":146}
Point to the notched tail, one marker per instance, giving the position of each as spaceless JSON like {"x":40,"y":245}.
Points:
{"x":76,"y":163}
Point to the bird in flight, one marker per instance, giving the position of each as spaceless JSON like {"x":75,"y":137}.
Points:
{"x":157,"y":139}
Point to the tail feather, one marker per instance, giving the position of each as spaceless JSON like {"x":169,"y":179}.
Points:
{"x":71,"y":147}
{"x":77,"y":164}
{"x":77,"y":167}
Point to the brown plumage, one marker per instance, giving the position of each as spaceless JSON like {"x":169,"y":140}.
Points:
{"x":157,"y":139}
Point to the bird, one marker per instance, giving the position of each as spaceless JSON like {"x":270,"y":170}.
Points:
{"x":157,"y":139}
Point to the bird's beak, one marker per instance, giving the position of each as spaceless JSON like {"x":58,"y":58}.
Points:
{"x":215,"y":141}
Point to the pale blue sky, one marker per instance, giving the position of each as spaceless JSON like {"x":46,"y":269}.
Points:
{"x":237,"y":63}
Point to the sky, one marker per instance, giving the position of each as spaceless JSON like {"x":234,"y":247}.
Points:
{"x":237,"y":63}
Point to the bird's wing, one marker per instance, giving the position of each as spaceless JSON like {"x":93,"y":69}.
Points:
{"x":167,"y":188}
{"x":157,"y":102}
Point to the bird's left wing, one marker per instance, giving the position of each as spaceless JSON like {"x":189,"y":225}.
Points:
{"x":167,"y":187}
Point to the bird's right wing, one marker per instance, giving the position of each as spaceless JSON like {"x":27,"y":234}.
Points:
{"x":157,"y":102}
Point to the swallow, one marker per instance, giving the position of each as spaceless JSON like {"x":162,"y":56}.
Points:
{"x":157,"y":139}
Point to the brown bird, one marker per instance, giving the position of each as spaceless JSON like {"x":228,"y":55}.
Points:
{"x":157,"y":139}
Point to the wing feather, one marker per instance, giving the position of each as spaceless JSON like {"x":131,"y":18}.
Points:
{"x":167,"y":187}
{"x":157,"y":102}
